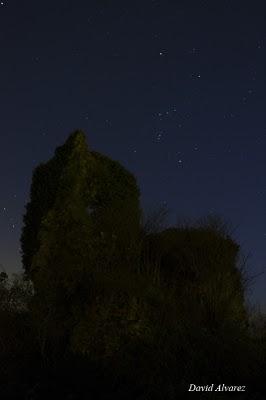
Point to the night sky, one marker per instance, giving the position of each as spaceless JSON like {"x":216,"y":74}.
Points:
{"x":174,"y":90}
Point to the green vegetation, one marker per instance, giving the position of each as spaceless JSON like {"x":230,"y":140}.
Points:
{"x":112,"y":306}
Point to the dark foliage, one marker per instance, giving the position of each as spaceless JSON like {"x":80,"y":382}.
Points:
{"x":110,"y":306}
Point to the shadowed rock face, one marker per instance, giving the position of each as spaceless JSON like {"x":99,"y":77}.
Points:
{"x":83,"y":219}
{"x":102,"y":186}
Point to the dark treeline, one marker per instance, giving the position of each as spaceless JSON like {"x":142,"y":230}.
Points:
{"x":111,"y":305}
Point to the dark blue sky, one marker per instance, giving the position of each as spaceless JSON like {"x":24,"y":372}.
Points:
{"x":175,"y":90}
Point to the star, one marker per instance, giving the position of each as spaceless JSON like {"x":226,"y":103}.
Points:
{"x":192,"y":51}
{"x":159,"y":136}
